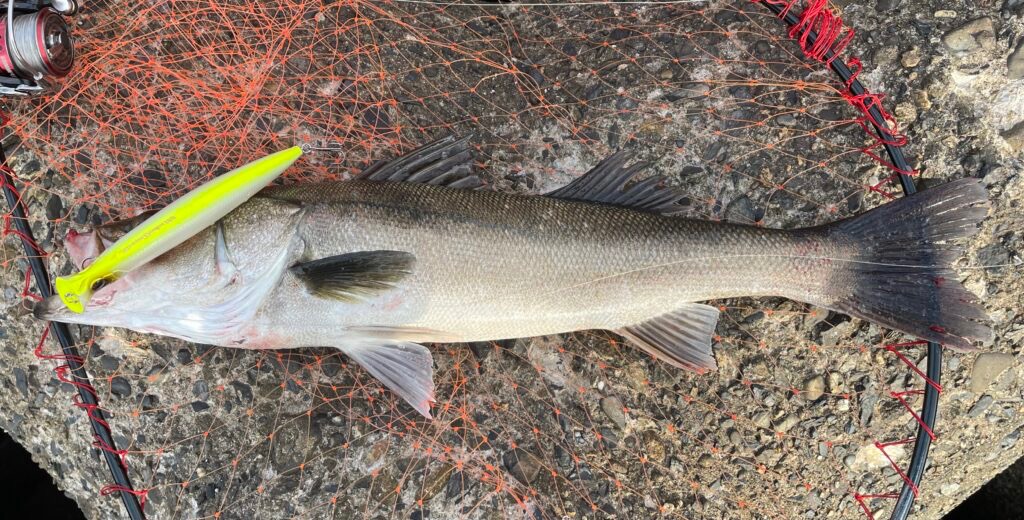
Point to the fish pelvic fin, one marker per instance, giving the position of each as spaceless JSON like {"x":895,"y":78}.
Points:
{"x":351,"y":277}
{"x":606,"y":184}
{"x":405,"y":368}
{"x":681,"y":338}
{"x":903,"y":278}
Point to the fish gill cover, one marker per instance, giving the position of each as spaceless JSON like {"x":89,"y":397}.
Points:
{"x":716,"y":95}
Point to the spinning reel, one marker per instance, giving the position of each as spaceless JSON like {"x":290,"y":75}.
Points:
{"x":35,"y":45}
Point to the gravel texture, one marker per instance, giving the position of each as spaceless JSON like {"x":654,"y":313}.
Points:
{"x":577,"y":427}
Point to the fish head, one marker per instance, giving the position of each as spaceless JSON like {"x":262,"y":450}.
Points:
{"x":185,"y":293}
{"x":205,"y":290}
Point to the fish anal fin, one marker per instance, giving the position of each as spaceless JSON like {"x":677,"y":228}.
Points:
{"x":405,"y":368}
{"x":681,"y":338}
{"x":606,"y":183}
{"x":351,"y":277}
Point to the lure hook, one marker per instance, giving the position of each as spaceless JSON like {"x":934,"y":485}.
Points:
{"x":333,"y":148}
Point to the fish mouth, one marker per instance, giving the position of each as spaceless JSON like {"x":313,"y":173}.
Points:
{"x":51,"y":309}
{"x":198,"y":325}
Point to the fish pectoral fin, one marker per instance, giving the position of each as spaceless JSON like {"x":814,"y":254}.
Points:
{"x":226,"y":270}
{"x":353,"y":276}
{"x":406,"y":368}
{"x":681,"y":338}
{"x":606,"y":183}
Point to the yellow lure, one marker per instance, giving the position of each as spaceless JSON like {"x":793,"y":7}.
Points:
{"x":176,"y":223}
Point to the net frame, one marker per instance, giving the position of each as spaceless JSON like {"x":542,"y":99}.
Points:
{"x":813,"y":26}
{"x":70,"y":367}
{"x":821,"y":36}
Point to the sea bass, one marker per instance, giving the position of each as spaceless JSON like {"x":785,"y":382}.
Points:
{"x":410,"y":253}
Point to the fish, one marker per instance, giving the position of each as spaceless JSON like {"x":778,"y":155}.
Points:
{"x":417,"y":250}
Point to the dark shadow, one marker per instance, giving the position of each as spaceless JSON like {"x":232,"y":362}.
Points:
{"x":1001,"y":497}
{"x":26,"y":490}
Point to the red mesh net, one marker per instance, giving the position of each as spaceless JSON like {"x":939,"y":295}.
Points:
{"x":717,"y":96}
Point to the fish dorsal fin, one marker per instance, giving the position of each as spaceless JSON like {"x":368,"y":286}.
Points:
{"x":353,"y":276}
{"x":445,"y":162}
{"x":606,"y":183}
{"x":407,"y":369}
{"x":681,"y":338}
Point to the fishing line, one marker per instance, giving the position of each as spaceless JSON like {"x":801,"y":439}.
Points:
{"x":992,"y":266}
{"x":37,"y":45}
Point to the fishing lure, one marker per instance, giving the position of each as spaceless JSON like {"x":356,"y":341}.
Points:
{"x":174,"y":224}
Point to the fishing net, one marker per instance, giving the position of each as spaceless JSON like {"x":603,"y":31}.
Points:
{"x":805,"y":415}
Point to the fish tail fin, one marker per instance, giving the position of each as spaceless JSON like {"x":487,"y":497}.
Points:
{"x":902,"y":277}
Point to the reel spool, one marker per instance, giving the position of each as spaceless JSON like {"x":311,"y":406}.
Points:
{"x":35,"y":46}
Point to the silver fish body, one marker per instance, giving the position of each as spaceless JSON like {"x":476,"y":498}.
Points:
{"x":377,"y":267}
{"x":492,"y":265}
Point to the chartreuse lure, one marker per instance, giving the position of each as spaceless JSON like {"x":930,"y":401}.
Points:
{"x":174,"y":224}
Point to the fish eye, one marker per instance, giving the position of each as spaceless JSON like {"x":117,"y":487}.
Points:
{"x":101,"y":283}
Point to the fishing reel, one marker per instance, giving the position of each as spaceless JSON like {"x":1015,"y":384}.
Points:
{"x":35,"y":45}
